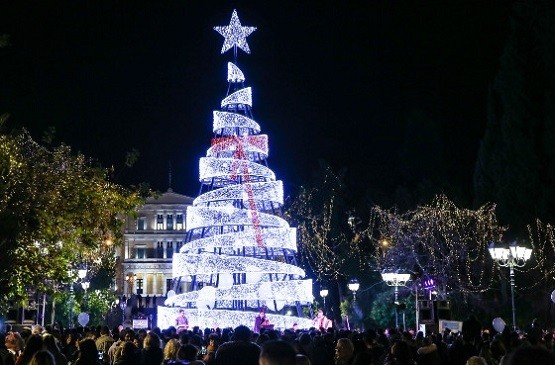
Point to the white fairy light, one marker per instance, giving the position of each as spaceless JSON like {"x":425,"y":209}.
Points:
{"x":242,"y":97}
{"x":234,"y":34}
{"x":221,"y":318}
{"x":282,"y":238}
{"x":226,"y":168}
{"x":268,"y":193}
{"x":234,"y":74}
{"x":232,"y":121}
{"x":199,"y":217}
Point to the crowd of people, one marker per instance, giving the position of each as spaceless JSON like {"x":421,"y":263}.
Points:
{"x":474,"y":345}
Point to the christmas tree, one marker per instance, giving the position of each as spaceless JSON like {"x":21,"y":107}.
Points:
{"x":239,"y":255}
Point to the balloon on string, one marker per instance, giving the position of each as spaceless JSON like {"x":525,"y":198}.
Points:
{"x":83,"y":319}
{"x":498,"y":324}
{"x":553,"y":296}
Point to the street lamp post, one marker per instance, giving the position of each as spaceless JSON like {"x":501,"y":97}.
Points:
{"x":324,"y":293}
{"x":396,"y":279}
{"x":354,"y":286}
{"x":511,"y":257}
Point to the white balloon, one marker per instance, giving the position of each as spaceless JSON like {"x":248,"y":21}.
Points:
{"x":83,"y":319}
{"x":498,"y":324}
{"x":171,"y":293}
{"x":553,"y":296}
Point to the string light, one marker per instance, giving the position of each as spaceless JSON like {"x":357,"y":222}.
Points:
{"x":221,"y":170}
{"x":240,"y":97}
{"x":226,"y":123}
{"x":234,"y":74}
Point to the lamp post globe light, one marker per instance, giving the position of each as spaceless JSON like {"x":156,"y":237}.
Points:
{"x":354,"y":286}
{"x":511,"y":257}
{"x":396,"y":279}
{"x":324,"y":293}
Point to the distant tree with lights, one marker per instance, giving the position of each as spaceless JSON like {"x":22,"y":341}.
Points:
{"x":438,"y":240}
{"x":57,"y":209}
{"x":328,"y":246}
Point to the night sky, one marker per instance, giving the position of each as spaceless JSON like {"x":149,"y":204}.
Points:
{"x":335,"y":81}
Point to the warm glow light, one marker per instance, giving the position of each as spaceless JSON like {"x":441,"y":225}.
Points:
{"x":395,"y":278}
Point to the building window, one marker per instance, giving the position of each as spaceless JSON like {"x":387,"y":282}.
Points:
{"x":169,"y":222}
{"x":178,"y":245}
{"x":141,"y":224}
{"x":179,"y":222}
{"x":159,"y":221}
{"x":160,"y":250}
{"x":169,"y":284}
{"x":141,"y":252}
{"x":169,"y":250}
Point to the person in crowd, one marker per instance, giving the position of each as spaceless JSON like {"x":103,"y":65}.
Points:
{"x":239,"y":351}
{"x":476,"y":360}
{"x":51,"y":344}
{"x":261,"y":321}
{"x":181,"y":322}
{"x":151,"y":353}
{"x":399,"y":354}
{"x":104,"y":342}
{"x":170,"y":351}
{"x":87,"y":353}
{"x":277,"y":352}
{"x":188,"y":354}
{"x":344,"y":352}
{"x":427,"y":354}
{"x":530,"y":355}
{"x":211,"y":348}
{"x":43,"y":357}
{"x":34,"y":343}
{"x":6,"y":357}
{"x":70,"y":348}
{"x":14,"y":344}
{"x":321,"y":322}
{"x":128,"y":355}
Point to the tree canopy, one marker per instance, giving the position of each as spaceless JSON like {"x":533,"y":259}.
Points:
{"x":56,"y":209}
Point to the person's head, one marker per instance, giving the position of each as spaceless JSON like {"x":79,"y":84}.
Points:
{"x":344,"y":351}
{"x":151,"y":341}
{"x":128,"y":349}
{"x":51,"y":343}
{"x":531,"y":355}
{"x":14,"y":341}
{"x":187,"y":352}
{"x":401,"y":351}
{"x":88,"y":350}
{"x":182,"y":313}
{"x":277,"y":352}
{"x":242,"y":333}
{"x":42,"y":357}
{"x":34,"y":343}
{"x":262,"y":313}
{"x":476,"y":360}
{"x":171,"y":348}
{"x":105,"y":331}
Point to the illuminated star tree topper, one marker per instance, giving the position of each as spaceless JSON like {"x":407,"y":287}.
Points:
{"x":235,"y":35}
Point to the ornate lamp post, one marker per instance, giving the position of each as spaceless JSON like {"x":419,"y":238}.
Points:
{"x":511,"y":257}
{"x":396,"y":279}
{"x":324,"y":293}
{"x":354,"y":286}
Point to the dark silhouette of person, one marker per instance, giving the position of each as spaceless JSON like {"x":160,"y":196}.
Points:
{"x":240,"y":350}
